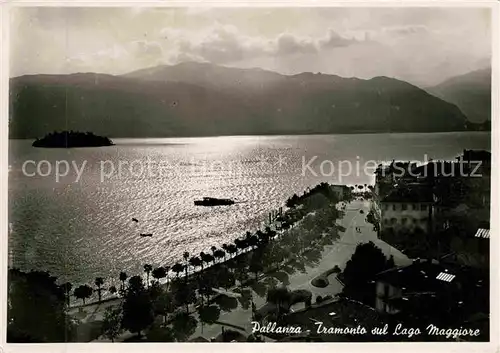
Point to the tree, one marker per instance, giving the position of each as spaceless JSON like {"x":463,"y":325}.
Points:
{"x":195,"y":262}
{"x":254,"y":338}
{"x":226,"y":303}
{"x":186,"y":257}
{"x":167,"y":270}
{"x":241,"y":274}
{"x":281,"y":298}
{"x":263,"y":237}
{"x":209,"y":314}
{"x":213,"y":249}
{"x":360,"y":270}
{"x":227,"y":280}
{"x":365,"y":263}
{"x":246,"y":298}
{"x":256,"y":265}
{"x":135,"y":284}
{"x":164,"y":305}
{"x":240,"y":244}
{"x":159,"y":333}
{"x":232,"y":336}
{"x":205,"y":285}
{"x":112,"y":323}
{"x":137,"y":308}
{"x":253,"y":241}
{"x":390,"y":262}
{"x":112,"y":290}
{"x":99,"y":281}
{"x":159,"y":273}
{"x":207,"y":258}
{"x":147,"y":268}
{"x":185,"y":294}
{"x":232,"y":249}
{"x":292,"y":201}
{"x":123,"y":278}
{"x":67,"y":291}
{"x":177,"y":268}
{"x":220,"y":254}
{"x":83,"y":292}
{"x":270,"y":233}
{"x":36,"y":309}
{"x":184,"y":325}
{"x":155,"y":291}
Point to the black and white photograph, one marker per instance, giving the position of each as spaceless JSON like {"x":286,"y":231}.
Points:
{"x":249,"y":174}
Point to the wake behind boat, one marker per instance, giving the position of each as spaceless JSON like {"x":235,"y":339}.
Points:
{"x":212,"y":201}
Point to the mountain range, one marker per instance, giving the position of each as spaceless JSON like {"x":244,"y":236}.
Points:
{"x":196,"y":99}
{"x":470,"y":92}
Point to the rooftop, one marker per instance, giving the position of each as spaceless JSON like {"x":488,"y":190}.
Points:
{"x":438,"y":168}
{"x":433,"y":167}
{"x":410,"y":194}
{"x":476,"y":155}
{"x":429,"y":276}
{"x":341,"y":313}
{"x":395,"y":166}
{"x":482,"y":233}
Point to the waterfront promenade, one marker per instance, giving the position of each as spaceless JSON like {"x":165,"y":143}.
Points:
{"x":336,"y":254}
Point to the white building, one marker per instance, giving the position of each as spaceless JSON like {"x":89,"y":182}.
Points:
{"x":407,"y":209}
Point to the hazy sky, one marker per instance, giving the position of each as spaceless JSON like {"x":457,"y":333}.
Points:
{"x":421,"y":45}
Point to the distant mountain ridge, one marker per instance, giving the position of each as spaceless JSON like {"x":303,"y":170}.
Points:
{"x":193,"y":99}
{"x":471,"y":92}
{"x":210,"y":76}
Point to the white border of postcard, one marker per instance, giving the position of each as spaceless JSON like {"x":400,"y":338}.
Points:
{"x":492,"y":346}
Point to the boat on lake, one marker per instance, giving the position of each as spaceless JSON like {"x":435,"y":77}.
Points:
{"x":146,"y":235}
{"x":212,"y":201}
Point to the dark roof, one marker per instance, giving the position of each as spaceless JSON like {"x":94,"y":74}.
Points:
{"x":438,"y":168}
{"x":341,"y":313}
{"x":406,"y":193}
{"x":342,"y":187}
{"x":428,"y":276}
{"x":476,"y":155}
{"x":434,"y":168}
{"x":395,"y":166}
{"x":482,"y":233}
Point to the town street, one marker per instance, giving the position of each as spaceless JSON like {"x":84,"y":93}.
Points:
{"x":337,"y":254}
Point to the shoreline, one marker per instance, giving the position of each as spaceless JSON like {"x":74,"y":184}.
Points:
{"x":171,"y":276}
{"x":275,"y":226}
{"x":93,"y":312}
{"x":164,"y":284}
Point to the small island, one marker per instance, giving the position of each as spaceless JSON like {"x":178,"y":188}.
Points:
{"x":69,"y":139}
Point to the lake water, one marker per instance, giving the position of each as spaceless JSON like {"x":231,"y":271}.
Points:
{"x":82,"y":228}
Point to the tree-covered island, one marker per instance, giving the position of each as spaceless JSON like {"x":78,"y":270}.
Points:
{"x":69,"y":139}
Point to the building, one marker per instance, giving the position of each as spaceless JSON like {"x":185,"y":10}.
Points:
{"x":400,"y":284}
{"x":473,"y":158}
{"x":472,"y":250}
{"x":386,"y":176}
{"x":342,"y":313}
{"x":432,"y":290}
{"x":341,"y":191}
{"x":407,"y":208}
